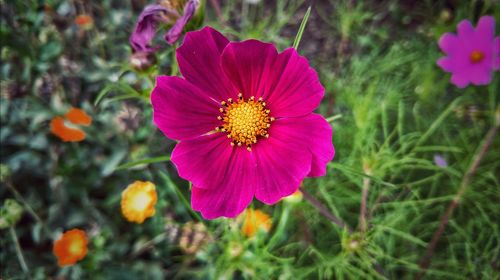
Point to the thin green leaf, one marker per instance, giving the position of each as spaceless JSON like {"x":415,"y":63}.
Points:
{"x":296,"y":42}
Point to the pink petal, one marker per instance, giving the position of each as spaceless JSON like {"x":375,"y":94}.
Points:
{"x":465,"y":29}
{"x":285,"y":81}
{"x":298,"y":90}
{"x":460,"y":79}
{"x":446,"y":64}
{"x":282,"y":163}
{"x":248,"y":65}
{"x":486,"y":27}
{"x":448,"y":43}
{"x":235,"y":191}
{"x":181,"y":110}
{"x":496,"y":54}
{"x":199,"y":63}
{"x":480,"y":74}
{"x":315,"y":133}
{"x":204,"y":160}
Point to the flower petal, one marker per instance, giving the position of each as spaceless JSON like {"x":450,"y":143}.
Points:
{"x":67,"y":134}
{"x":315,"y":133}
{"x":496,"y":54}
{"x":446,"y":63}
{"x":460,"y":79}
{"x":234,"y":192}
{"x":175,"y":32}
{"x":480,"y":74}
{"x":448,"y":43}
{"x":285,"y":80}
{"x":78,"y":116}
{"x":204,"y":160}
{"x":465,"y":29}
{"x":282,"y":163}
{"x":199,"y":63}
{"x":486,"y":28}
{"x":249,"y":65}
{"x":181,"y":110}
{"x":145,"y":27}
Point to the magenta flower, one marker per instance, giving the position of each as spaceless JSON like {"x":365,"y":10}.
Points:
{"x":243,"y":115}
{"x":151,"y":16}
{"x":473,"y":54}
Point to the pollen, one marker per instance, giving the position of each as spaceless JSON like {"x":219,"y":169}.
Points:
{"x":476,"y":56}
{"x":244,"y":121}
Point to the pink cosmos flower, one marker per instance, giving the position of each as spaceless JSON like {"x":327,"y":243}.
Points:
{"x":243,"y":116}
{"x":473,"y":54}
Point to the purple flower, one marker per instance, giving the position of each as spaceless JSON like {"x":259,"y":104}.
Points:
{"x":472,"y":54}
{"x":175,"y":32}
{"x":151,"y":16}
{"x":440,"y":161}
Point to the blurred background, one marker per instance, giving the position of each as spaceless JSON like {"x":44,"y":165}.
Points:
{"x":404,"y":137}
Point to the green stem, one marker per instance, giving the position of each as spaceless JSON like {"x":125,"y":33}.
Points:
{"x":143,"y":161}
{"x":149,"y":244}
{"x":175,"y":65}
{"x":180,"y":195}
{"x":285,"y":214}
{"x":323,"y":210}
{"x":425,"y":261}
{"x":19,"y":252}
{"x":28,"y":207}
{"x":334,"y":118}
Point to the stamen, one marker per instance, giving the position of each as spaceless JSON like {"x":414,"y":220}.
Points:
{"x":476,"y":56}
{"x":244,"y":121}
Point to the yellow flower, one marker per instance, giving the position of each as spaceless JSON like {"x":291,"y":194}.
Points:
{"x":255,"y":220}
{"x":138,"y":201}
{"x":70,"y":247}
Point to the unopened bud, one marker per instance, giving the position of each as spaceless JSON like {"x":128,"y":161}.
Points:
{"x":10,"y":213}
{"x":142,"y":60}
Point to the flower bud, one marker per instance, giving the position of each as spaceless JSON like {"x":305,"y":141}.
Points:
{"x":4,"y":173}
{"x":10,"y":213}
{"x":142,"y":60}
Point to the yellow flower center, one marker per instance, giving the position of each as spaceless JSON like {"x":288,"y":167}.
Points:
{"x":476,"y":56}
{"x":244,"y":121}
{"x":141,"y":201}
{"x":76,"y":247}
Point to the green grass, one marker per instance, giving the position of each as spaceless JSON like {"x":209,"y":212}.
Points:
{"x":391,"y":108}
